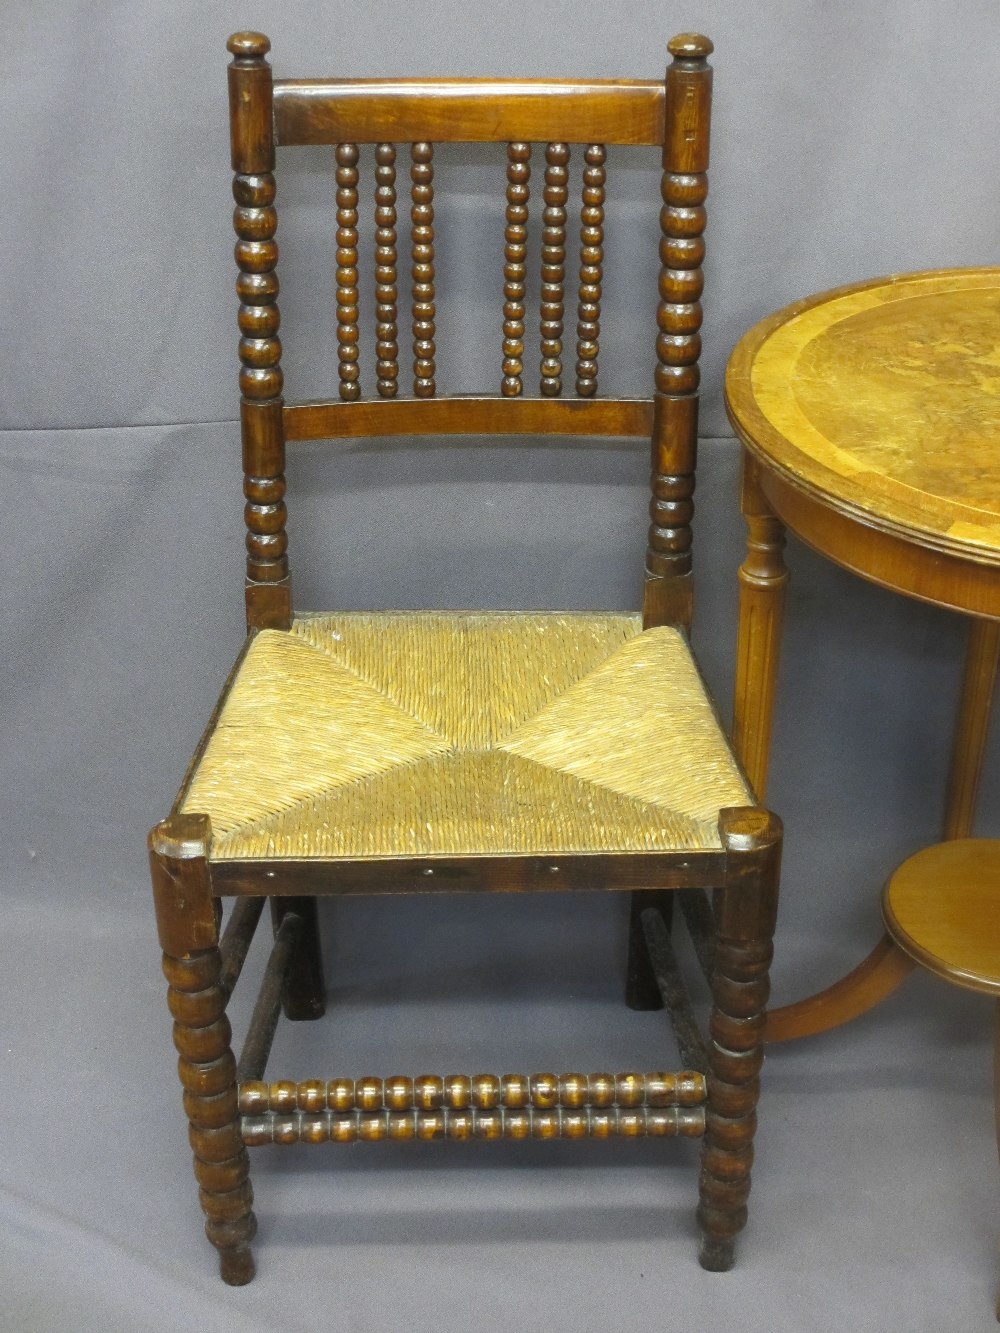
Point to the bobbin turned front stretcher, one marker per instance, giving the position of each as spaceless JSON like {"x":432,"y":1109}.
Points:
{"x":467,"y":751}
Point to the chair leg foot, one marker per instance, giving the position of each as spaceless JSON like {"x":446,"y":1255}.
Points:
{"x":236,"y":1266}
{"x":717,"y":1256}
{"x":641,"y":991}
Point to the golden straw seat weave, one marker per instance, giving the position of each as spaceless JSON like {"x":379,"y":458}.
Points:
{"x":360,"y":736}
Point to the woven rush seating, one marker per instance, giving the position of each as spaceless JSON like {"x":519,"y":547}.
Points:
{"x":468,"y":751}
{"x":435,"y":734}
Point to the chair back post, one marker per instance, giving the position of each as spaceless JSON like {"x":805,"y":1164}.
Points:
{"x":667,"y":598}
{"x":268,"y":588}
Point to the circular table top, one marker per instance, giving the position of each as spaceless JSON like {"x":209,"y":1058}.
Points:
{"x":941,"y":908}
{"x":883,"y":400}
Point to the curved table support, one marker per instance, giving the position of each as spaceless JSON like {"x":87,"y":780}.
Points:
{"x":866,"y":986}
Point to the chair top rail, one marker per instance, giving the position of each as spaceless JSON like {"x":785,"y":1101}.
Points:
{"x":614,"y":111}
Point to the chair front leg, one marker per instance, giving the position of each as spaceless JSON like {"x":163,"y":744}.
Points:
{"x":192,"y":964}
{"x":745,"y":915}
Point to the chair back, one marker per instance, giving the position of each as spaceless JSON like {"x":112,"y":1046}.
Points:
{"x":568,"y":119}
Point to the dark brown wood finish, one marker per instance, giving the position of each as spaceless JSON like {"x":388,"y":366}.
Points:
{"x":553,"y":306}
{"x":622,"y":111}
{"x":744,"y":919}
{"x":268,"y":588}
{"x":267,"y":1010}
{"x":673,"y":993}
{"x":474,"y":874}
{"x":386,"y":271}
{"x":668,"y":596}
{"x":642,"y":989}
{"x":237,"y":938}
{"x":588,"y":310}
{"x":347,"y":270}
{"x":480,"y":1092}
{"x":303,"y":995}
{"x":422,"y":272}
{"x":192,"y":964}
{"x":515,"y":268}
{"x":227,"y":1111}
{"x":469,"y":415}
{"x":426,"y":1126}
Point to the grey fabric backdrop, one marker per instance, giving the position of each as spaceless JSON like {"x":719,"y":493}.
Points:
{"x":850,"y":140}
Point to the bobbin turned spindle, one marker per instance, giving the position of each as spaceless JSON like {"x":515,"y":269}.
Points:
{"x":588,"y":328}
{"x":684,"y":188}
{"x":553,"y":295}
{"x":422,"y":270}
{"x":268,"y":591}
{"x":386,"y":271}
{"x":347,"y":271}
{"x":515,"y":268}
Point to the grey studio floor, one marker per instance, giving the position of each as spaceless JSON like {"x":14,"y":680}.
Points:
{"x":874,"y":1206}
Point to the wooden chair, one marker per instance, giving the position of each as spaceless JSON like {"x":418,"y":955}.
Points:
{"x":395,"y":752}
{"x":942,"y":907}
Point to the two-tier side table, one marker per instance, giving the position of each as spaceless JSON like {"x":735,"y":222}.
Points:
{"x":870,"y":420}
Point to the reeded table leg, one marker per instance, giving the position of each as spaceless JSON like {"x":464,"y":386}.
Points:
{"x":972,"y":728}
{"x":763,"y":579}
{"x":192,"y":964}
{"x":745,"y":917}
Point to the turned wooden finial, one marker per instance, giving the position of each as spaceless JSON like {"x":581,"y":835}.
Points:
{"x":685,"y":46}
{"x":248,"y":45}
{"x":749,"y":829}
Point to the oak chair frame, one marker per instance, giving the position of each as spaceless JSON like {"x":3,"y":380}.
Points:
{"x":228,"y":1103}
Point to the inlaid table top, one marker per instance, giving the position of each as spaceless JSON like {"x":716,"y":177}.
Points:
{"x":883,"y":400}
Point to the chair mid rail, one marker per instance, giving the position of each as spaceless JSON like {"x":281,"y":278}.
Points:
{"x":468,"y":415}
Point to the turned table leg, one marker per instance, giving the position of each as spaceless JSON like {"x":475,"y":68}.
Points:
{"x":763,"y":579}
{"x":972,"y":727}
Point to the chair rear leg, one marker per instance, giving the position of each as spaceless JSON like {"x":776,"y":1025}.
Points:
{"x":745,"y":915}
{"x":304,"y":994}
{"x":641,"y":990}
{"x":192,"y":964}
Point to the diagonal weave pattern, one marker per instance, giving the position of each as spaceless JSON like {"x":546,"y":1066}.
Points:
{"x":367,"y":736}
